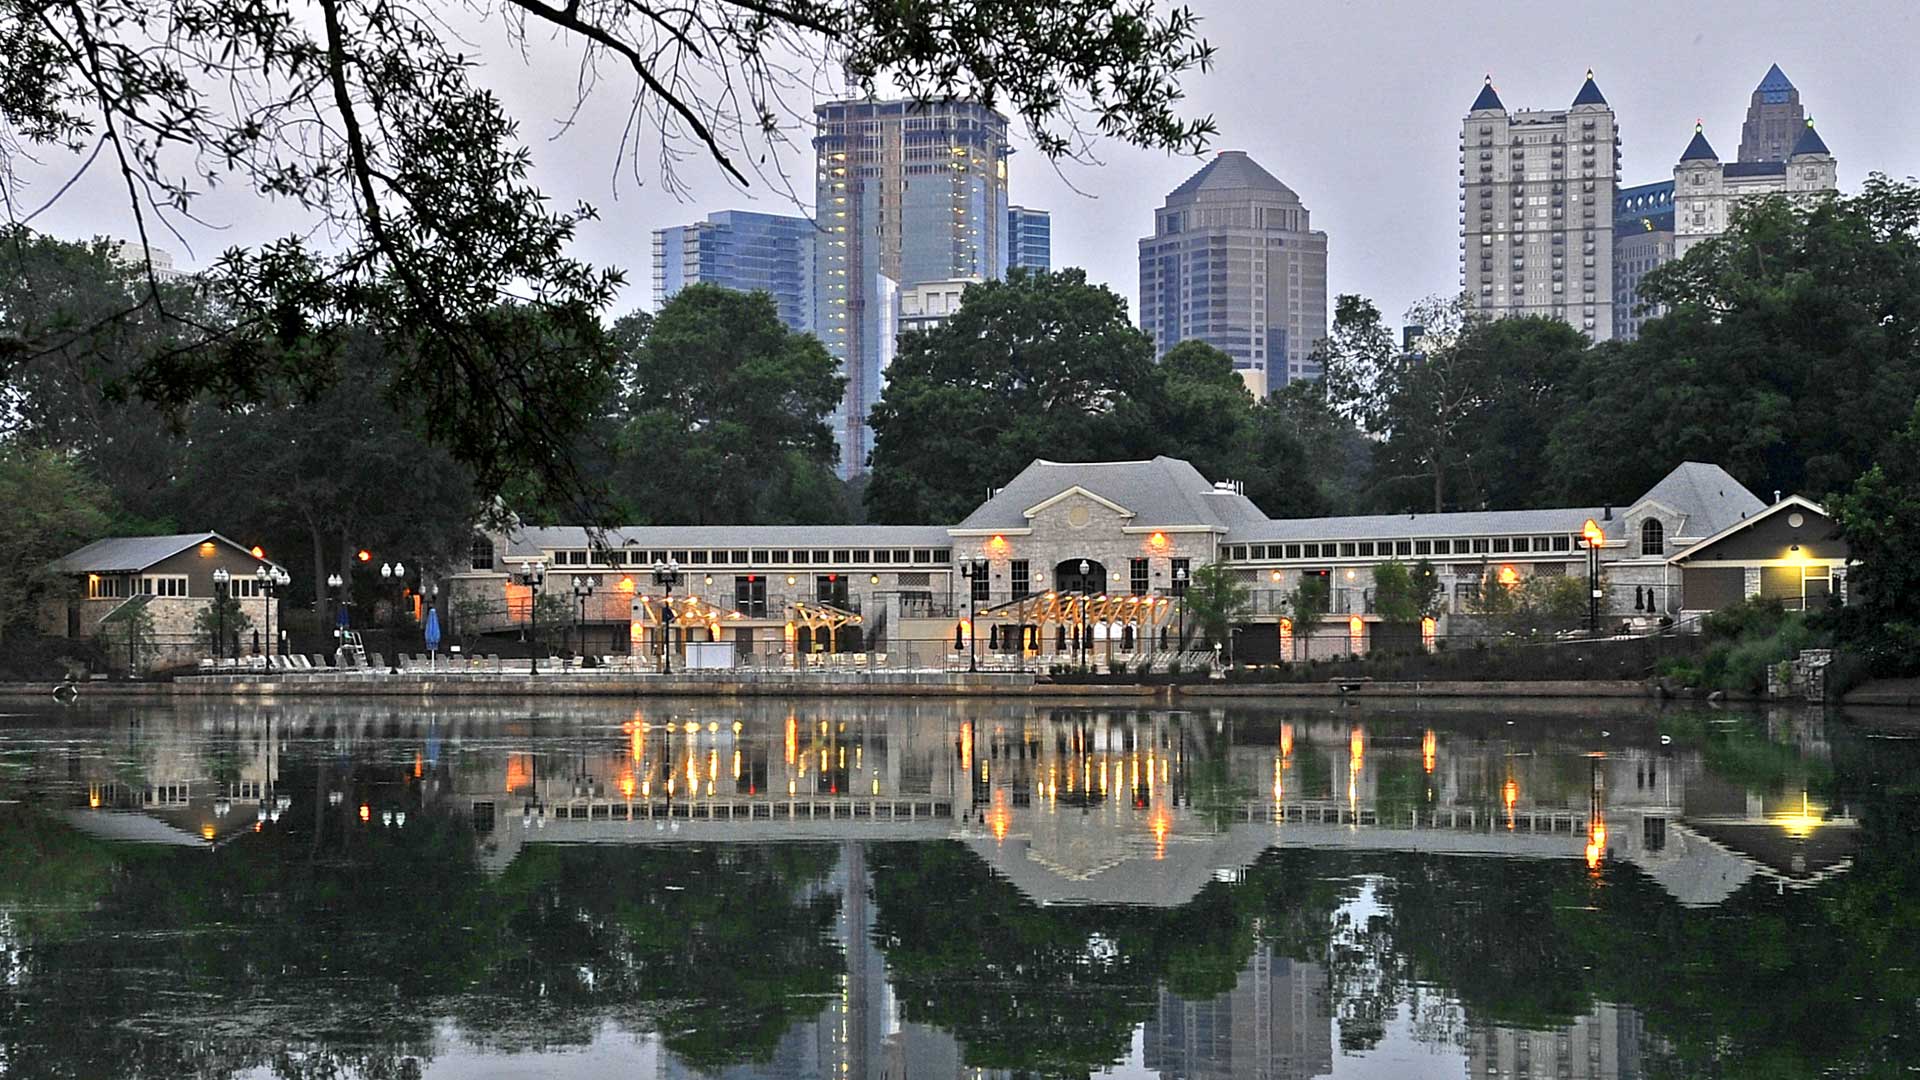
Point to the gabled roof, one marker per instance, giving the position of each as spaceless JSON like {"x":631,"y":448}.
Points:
{"x":1487,"y":99}
{"x":1699,"y":149}
{"x":1775,"y":80}
{"x":1232,"y":170}
{"x":1709,"y":497}
{"x":1809,"y":142}
{"x":1749,"y":521}
{"x":530,"y":542}
{"x":1563,"y":521}
{"x":1163,"y":493}
{"x":131,"y":554}
{"x":1589,"y":93}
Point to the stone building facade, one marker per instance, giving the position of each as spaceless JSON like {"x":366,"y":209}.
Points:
{"x":168,"y":579}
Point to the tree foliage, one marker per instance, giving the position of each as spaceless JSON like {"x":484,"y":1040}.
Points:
{"x":1407,"y":594}
{"x":48,"y":507}
{"x":1216,"y":598}
{"x":725,"y":414}
{"x":373,"y":118}
{"x":1880,"y":520}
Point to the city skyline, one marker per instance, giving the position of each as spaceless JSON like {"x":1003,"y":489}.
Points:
{"x":1370,"y":147}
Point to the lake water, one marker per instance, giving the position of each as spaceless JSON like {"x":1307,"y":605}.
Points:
{"x":926,"y":891}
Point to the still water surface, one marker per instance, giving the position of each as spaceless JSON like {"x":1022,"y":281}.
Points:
{"x":935,"y":891}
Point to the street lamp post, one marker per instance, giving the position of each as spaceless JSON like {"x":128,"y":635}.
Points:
{"x":395,"y":573}
{"x":582,"y":590}
{"x":667,"y":575}
{"x":334,"y":584}
{"x":533,"y":575}
{"x":222,"y":583}
{"x":1594,"y":536}
{"x":1180,"y":590}
{"x":1086,"y":627}
{"x":974,"y":570}
{"x":270,"y":581}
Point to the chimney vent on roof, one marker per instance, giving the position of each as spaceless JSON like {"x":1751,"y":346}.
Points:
{"x":1776,"y":494}
{"x":1606,"y":513}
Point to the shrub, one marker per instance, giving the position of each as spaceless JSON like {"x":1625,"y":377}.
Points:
{"x":1174,"y":668}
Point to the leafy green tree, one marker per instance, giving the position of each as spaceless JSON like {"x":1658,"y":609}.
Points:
{"x":1790,"y":353}
{"x":1308,"y":461}
{"x":1216,"y":598}
{"x":222,"y":623}
{"x":1880,"y":521}
{"x":1307,"y":604}
{"x":48,"y":507}
{"x":1038,"y":365}
{"x":372,"y":118}
{"x":725,"y":416}
{"x":1406,"y":594}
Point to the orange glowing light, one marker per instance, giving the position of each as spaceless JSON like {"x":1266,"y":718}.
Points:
{"x":1161,"y":825}
{"x":626,"y":785}
{"x":966,"y":746}
{"x":1286,"y":740}
{"x":366,"y":812}
{"x":966,"y":628}
{"x":258,"y":552}
{"x":418,"y":765}
{"x":1157,"y":540}
{"x":997,"y":544}
{"x":206,"y":832}
{"x":1509,"y":576}
{"x":1596,"y":844}
{"x":1428,"y":744}
{"x":364,"y":555}
{"x":1510,"y":793}
{"x":626,"y":585}
{"x":1356,"y":747}
{"x":1593,"y":533}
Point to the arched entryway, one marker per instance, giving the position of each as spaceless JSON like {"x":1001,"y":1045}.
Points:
{"x":1068,"y":577}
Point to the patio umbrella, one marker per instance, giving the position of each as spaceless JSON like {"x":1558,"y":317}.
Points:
{"x":433,"y":633}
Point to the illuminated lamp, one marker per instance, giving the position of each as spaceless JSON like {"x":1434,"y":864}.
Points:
{"x":364,"y":555}
{"x":1157,"y":540}
{"x":626,"y":585}
{"x":1509,"y":576}
{"x":997,"y":544}
{"x":207,"y":549}
{"x":257,"y":551}
{"x":366,"y":812}
{"x":789,"y":579}
{"x":709,"y":579}
{"x":1276,"y":577}
{"x":1593,"y":534}
{"x":875,"y":579}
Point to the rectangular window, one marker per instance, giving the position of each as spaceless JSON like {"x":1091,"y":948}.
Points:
{"x":982,"y":582}
{"x":883,"y":556}
{"x":902,"y":555}
{"x":842,"y":557}
{"x":863,"y":557}
{"x":1137,"y":577}
{"x":1180,"y":573}
{"x":1403,"y":547}
{"x":1347,"y":550}
{"x":699,"y":558}
{"x":243,"y":587}
{"x":922,"y":555}
{"x":1293,"y":551}
{"x":943,"y":555}
{"x":1500,"y":545}
{"x":1423,"y":547}
{"x":760,"y":558}
{"x":1313,"y":551}
{"x":165,"y":585}
{"x":737,"y":558}
{"x":1563,"y":543}
{"x":1480,"y":546}
{"x":831,"y":589}
{"x":1021,"y":581}
{"x":750,"y":596}
{"x":681,"y":558}
{"x":779,"y":558}
{"x":1366,"y":549}
{"x":1237,"y":552}
{"x":1521,"y":544}
{"x":480,"y":553}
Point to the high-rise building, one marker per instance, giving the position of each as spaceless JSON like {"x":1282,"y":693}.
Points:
{"x":1275,"y":1024}
{"x":1706,"y":190}
{"x":1774,"y":119}
{"x":928,"y":304}
{"x":1642,"y":240}
{"x":1029,"y":238}
{"x":905,"y":192}
{"x":1536,"y":209}
{"x":1235,"y":262}
{"x":743,"y":250}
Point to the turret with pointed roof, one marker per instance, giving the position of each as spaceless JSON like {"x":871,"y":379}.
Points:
{"x":1488,"y":99}
{"x":1809,"y":143}
{"x":1589,"y":93}
{"x":1699,"y":149}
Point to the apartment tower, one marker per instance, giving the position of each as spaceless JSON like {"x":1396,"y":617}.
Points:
{"x":739,"y":249}
{"x":1234,"y":261}
{"x":1537,"y":209}
{"x":905,"y":192}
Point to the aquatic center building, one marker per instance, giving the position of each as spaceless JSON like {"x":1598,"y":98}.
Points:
{"x":1098,"y":556}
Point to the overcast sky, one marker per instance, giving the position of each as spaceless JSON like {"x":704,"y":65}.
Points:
{"x":1356,"y":106}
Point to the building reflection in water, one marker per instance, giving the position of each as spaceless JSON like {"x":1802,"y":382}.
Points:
{"x":1071,"y":806}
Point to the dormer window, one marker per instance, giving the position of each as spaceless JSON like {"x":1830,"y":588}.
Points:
{"x":1653,"y":537}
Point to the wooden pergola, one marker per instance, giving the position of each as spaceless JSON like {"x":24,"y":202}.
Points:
{"x":687,"y":610}
{"x":1143,"y":612}
{"x":817,"y":617}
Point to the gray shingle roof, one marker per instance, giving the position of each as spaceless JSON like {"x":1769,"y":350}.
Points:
{"x":128,"y":554}
{"x":1707,"y":494}
{"x":1165,"y":491}
{"x":529,"y":542}
{"x":1414,"y":526}
{"x":1231,"y":170}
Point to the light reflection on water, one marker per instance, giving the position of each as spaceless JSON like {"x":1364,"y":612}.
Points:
{"x":812,"y":890}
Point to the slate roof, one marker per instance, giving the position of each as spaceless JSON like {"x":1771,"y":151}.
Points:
{"x":1809,"y":142}
{"x":1165,"y":491}
{"x":1707,"y":494}
{"x":1699,"y":149}
{"x":1563,"y":521}
{"x":131,"y":554}
{"x":1231,"y":170}
{"x":1487,"y":99}
{"x":529,"y":542}
{"x":1589,"y":93}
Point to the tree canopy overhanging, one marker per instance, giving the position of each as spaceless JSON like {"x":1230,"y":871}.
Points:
{"x":373,"y":117}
